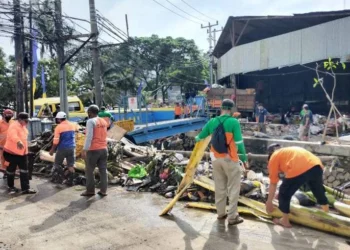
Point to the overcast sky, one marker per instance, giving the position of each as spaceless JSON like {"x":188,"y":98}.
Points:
{"x":146,"y":17}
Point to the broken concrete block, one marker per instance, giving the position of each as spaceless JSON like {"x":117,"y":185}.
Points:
{"x":341,"y":176}
{"x":331,"y":178}
{"x":336,"y":183}
{"x":347,"y":176}
{"x":326,"y":173}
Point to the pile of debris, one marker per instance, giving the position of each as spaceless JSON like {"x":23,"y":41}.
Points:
{"x":148,"y":169}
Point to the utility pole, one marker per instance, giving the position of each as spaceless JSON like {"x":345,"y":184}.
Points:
{"x":95,"y":54}
{"x":31,"y":94}
{"x":127,"y":25}
{"x":60,"y":57}
{"x":210,"y":39}
{"x":18,"y":56}
{"x":214,"y":39}
{"x":214,"y":35}
{"x":25,"y":67}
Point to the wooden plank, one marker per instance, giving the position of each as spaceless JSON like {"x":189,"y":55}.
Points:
{"x":116,"y":133}
{"x":196,"y":156}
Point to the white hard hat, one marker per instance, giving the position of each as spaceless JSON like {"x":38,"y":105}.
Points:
{"x":61,"y":115}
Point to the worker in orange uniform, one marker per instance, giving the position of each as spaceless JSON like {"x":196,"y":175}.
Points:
{"x":15,"y":152}
{"x":95,"y":152}
{"x":4,"y":126}
{"x":178,"y":111}
{"x":299,"y":167}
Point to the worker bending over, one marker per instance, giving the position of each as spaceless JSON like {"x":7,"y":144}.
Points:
{"x":95,"y":152}
{"x":4,"y":126}
{"x":226,"y":142}
{"x":15,"y":152}
{"x":299,"y":167}
{"x":64,"y":142}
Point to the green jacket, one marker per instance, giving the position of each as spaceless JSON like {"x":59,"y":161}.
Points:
{"x":233,"y":136}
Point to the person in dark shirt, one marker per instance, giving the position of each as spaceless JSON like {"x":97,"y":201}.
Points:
{"x":260,"y":116}
{"x":58,"y":109}
{"x":288,"y":115}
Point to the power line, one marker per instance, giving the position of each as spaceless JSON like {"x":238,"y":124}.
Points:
{"x":175,"y":12}
{"x":184,"y":11}
{"x":110,"y":23}
{"x":197,"y":10}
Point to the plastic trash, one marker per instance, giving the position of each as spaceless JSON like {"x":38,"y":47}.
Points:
{"x":137,"y":172}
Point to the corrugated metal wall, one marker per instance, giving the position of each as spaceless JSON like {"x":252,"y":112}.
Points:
{"x":308,"y":45}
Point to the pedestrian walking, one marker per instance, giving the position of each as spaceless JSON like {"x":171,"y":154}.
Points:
{"x":95,"y":152}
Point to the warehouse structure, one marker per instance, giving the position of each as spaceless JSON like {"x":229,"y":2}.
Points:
{"x":277,"y":56}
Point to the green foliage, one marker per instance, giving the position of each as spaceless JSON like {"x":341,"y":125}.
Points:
{"x":160,"y":62}
{"x":52,"y":79}
{"x":7,"y":80}
{"x":316,"y":82}
{"x":329,"y":65}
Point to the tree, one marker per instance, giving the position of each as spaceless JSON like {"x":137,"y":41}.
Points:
{"x":52,"y":79}
{"x":330,"y":66}
{"x":7,"y":80}
{"x":160,"y":62}
{"x":168,"y":61}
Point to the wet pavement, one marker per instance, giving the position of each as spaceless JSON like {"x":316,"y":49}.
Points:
{"x":59,"y":218}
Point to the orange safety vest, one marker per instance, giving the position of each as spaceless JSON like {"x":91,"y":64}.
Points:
{"x":178,"y":110}
{"x":99,"y":139}
{"x":4,"y":126}
{"x":16,"y":133}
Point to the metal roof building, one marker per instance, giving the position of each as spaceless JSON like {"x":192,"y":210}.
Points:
{"x":272,"y":45}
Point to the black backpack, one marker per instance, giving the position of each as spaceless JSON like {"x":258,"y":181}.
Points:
{"x":218,"y":138}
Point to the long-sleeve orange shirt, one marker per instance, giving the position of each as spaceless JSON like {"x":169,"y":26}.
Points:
{"x":16,"y":133}
{"x":292,"y":161}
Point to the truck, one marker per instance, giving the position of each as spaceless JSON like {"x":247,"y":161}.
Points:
{"x":243,"y":98}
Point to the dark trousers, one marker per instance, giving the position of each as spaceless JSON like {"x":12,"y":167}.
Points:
{"x":312,"y":177}
{"x":21,"y":162}
{"x":177,"y":116}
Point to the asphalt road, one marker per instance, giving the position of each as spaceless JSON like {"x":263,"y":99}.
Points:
{"x":59,"y":218}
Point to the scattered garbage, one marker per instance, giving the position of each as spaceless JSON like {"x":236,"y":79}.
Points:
{"x":161,"y":167}
{"x":137,"y":172}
